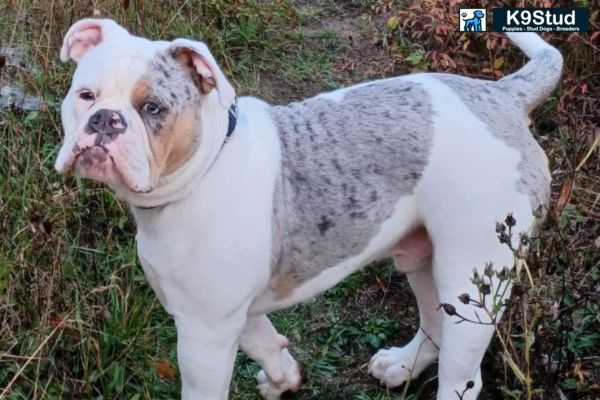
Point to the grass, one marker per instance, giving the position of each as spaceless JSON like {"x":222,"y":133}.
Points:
{"x":77,"y":319}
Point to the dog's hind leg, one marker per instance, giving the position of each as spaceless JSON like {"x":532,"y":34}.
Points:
{"x":464,"y":243}
{"x":396,"y":365}
{"x":280,"y":372}
{"x":463,"y":344}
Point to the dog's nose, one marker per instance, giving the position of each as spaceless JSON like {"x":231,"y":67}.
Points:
{"x":106,"y":122}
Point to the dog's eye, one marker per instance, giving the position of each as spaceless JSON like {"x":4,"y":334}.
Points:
{"x":152,"y":108}
{"x":87,"y":95}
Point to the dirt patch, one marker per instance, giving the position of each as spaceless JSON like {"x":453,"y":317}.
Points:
{"x":365,"y":55}
{"x":359,"y":53}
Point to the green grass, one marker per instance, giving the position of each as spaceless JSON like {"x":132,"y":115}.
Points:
{"x":77,"y":318}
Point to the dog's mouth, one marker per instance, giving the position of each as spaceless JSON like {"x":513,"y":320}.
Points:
{"x":90,"y":155}
{"x":94,"y":162}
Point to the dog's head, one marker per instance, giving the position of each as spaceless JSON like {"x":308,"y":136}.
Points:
{"x":137,"y":109}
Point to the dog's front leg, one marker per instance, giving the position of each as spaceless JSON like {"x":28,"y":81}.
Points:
{"x":261,"y":342}
{"x":206,"y":354}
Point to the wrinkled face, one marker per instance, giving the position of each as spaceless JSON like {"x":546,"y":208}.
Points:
{"x":131,"y":115}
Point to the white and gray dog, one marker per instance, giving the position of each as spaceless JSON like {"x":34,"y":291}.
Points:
{"x":244,"y":210}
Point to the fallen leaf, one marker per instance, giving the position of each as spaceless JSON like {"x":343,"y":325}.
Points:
{"x":564,"y":196}
{"x":164,"y":369}
{"x":382,"y":286}
{"x":498,"y":62}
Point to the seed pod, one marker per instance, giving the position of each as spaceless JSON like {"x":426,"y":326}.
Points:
{"x":449,"y":309}
{"x":500,"y":227}
{"x":488,"y":270}
{"x":510,"y":220}
{"x":485,"y":289}
{"x":503,"y":273}
{"x":464,"y":298}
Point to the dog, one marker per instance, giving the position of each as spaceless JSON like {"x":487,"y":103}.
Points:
{"x":474,"y":24}
{"x":243,"y":208}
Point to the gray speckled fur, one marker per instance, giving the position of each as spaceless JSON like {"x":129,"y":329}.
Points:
{"x":172,"y":87}
{"x":533,"y":83}
{"x":345,"y":164}
{"x":503,"y":110}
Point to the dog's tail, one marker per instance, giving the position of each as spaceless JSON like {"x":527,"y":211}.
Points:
{"x":533,"y":83}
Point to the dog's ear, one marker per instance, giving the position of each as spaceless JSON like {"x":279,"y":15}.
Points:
{"x":207,"y":74}
{"x":87,"y":33}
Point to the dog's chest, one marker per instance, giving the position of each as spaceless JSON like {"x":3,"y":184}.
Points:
{"x":166,"y":256}
{"x":153,"y":278}
{"x":163,"y":264}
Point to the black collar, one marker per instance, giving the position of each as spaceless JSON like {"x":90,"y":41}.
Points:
{"x":233,"y":116}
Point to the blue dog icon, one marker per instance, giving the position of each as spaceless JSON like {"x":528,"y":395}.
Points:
{"x":474,"y":24}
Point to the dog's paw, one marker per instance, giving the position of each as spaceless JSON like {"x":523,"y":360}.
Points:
{"x":396,"y":365}
{"x":391,"y":367}
{"x":287,"y":378}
